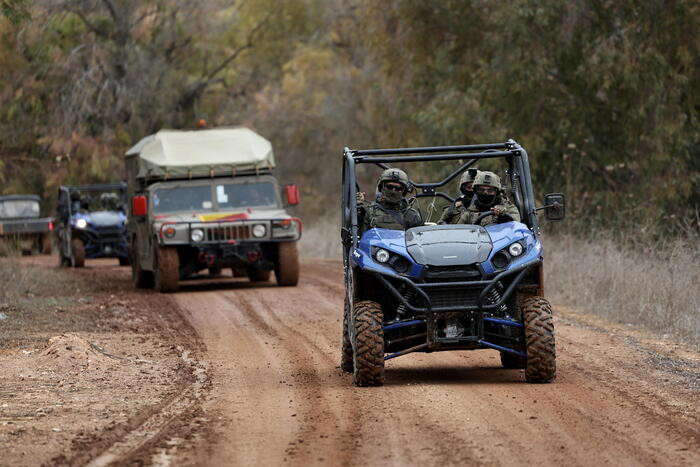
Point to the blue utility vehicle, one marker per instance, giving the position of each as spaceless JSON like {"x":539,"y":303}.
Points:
{"x":91,"y":223}
{"x":447,"y":287}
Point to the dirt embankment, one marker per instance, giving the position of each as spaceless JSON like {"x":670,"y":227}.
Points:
{"x":94,"y":371}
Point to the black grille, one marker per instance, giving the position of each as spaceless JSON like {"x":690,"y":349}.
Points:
{"x":452,"y":297}
{"x":455,"y":273}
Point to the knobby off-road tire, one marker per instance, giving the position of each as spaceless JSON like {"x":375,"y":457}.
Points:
{"x":346,"y":363}
{"x":508,"y":360}
{"x":287,"y":266}
{"x":368,"y":344}
{"x":258,"y":275}
{"x":167,"y":269}
{"x":140,"y":278}
{"x":78,"y":249}
{"x":539,"y":338}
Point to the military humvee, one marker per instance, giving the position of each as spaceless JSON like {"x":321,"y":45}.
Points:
{"x":207,"y":199}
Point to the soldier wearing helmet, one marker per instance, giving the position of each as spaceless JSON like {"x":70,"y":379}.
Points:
{"x":488,"y":198}
{"x":452,"y":213}
{"x":389,"y":210}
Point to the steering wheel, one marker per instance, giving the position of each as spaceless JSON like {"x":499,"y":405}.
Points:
{"x":478,"y":220}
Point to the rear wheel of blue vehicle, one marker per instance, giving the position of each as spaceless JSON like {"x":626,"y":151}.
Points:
{"x":141,"y":279}
{"x":346,"y":363}
{"x":368,"y":344}
{"x":539,"y":337}
{"x":167,"y":269}
{"x":78,"y":250}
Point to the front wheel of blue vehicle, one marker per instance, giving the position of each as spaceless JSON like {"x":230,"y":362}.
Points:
{"x":346,"y":363}
{"x":78,"y":250}
{"x":368,"y":344}
{"x":539,"y":337}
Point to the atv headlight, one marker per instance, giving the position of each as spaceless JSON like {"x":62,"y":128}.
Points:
{"x":382,"y":256}
{"x":259,"y":230}
{"x":516,"y":249}
{"x":197,"y":235}
{"x":81,"y":223}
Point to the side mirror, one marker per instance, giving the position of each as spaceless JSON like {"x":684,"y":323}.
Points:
{"x":291,"y":193}
{"x":554,"y":206}
{"x":139,"y":206}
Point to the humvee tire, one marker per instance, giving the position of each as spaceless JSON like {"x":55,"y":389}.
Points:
{"x":258,"y":275}
{"x":166,"y":269}
{"x":214,"y":271}
{"x":368,"y":344}
{"x":539,"y":340}
{"x":63,"y":262}
{"x":508,"y":360}
{"x":346,"y":363}
{"x":78,"y":248}
{"x":287,"y":265}
{"x":238,"y":272}
{"x":45,"y":244}
{"x":140,"y":278}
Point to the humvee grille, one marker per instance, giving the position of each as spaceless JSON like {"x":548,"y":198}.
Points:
{"x":226,"y":232}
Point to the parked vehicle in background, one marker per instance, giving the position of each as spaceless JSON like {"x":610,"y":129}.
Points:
{"x":447,"y":287}
{"x":91,"y":223}
{"x":207,"y":199}
{"x":21,"y":227}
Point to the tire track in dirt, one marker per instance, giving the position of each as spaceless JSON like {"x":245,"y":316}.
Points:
{"x":451,"y":407}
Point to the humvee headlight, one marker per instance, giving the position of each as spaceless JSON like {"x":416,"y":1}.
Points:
{"x":259,"y":230}
{"x":81,"y":223}
{"x":516,"y":249}
{"x":197,"y":235}
{"x":382,"y":256}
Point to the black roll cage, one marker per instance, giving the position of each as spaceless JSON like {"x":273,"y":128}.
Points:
{"x":518,"y":173}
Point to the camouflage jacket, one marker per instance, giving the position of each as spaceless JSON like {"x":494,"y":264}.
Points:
{"x":452,"y":213}
{"x":470,"y":214}
{"x":376,"y":214}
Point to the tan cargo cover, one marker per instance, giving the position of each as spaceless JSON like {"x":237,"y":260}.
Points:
{"x":176,"y":154}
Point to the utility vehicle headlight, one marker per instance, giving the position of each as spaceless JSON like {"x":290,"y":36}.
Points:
{"x":259,"y":230}
{"x":516,"y":249}
{"x":197,"y":235}
{"x":81,"y":223}
{"x":382,"y":256}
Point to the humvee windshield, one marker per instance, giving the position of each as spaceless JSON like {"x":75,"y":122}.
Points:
{"x":215,"y":197}
{"x":18,"y":209}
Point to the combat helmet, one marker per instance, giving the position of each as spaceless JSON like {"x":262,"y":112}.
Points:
{"x":394,"y":175}
{"x":487,"y":178}
{"x":467,"y":177}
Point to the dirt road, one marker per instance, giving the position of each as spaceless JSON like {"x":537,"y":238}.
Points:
{"x":279,"y":396}
{"x":265,"y":388}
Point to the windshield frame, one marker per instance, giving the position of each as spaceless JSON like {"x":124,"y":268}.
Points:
{"x":212,"y":183}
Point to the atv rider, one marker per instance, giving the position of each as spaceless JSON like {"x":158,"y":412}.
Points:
{"x":390,"y":210}
{"x":452,"y":213}
{"x":487,"y":187}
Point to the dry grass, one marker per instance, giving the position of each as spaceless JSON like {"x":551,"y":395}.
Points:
{"x":654,"y":286}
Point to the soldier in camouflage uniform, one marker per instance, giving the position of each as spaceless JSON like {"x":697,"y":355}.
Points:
{"x":390,"y":210}
{"x":452,"y":213}
{"x":487,"y":187}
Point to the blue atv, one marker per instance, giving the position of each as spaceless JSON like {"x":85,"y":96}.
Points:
{"x":91,"y":224}
{"x":447,"y":287}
